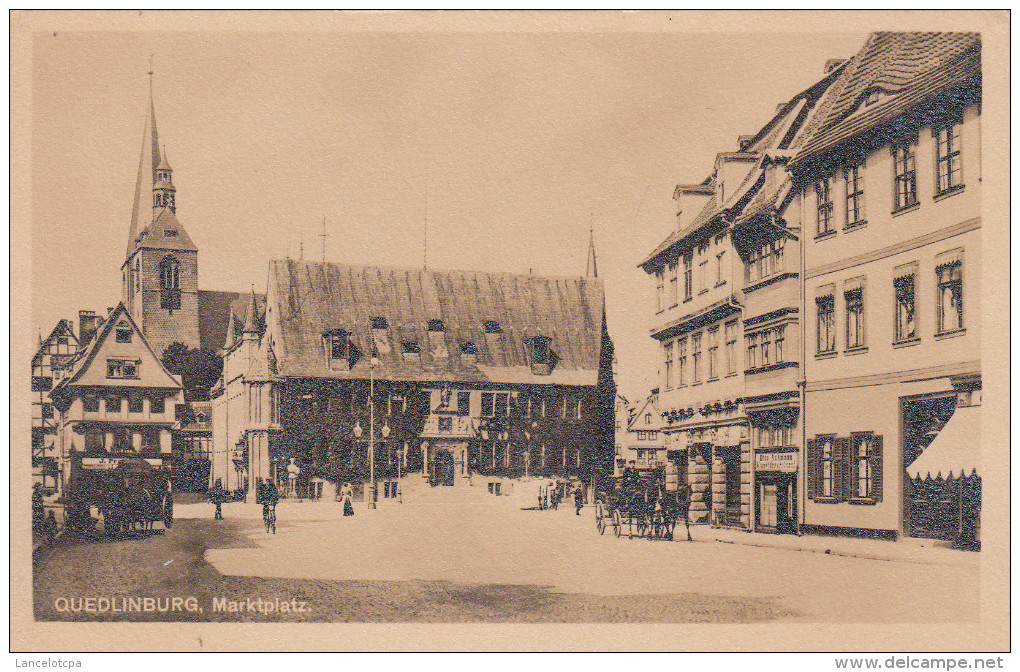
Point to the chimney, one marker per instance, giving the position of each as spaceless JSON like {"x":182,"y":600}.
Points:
{"x":833,"y":63}
{"x":88,"y":325}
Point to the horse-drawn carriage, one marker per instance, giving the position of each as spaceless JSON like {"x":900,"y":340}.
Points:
{"x":129,"y":493}
{"x":640,"y":500}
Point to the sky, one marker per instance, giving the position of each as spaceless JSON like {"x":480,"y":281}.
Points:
{"x":509,"y":145}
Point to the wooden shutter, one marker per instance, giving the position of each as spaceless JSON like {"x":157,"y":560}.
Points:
{"x":852,"y":469}
{"x":876,"y":469}
{"x":840,"y":472}
{"x":812,"y":468}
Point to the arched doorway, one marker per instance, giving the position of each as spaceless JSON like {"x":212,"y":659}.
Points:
{"x":445,"y":468}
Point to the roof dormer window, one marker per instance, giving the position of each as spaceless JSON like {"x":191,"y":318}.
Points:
{"x":124,"y":332}
{"x":436,"y":325}
{"x":872,"y":97}
{"x":492,"y":327}
{"x":379,"y":323}
{"x":411,"y":350}
{"x":337,"y":344}
{"x":541,"y":355}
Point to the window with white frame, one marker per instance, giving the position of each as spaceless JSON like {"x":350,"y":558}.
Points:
{"x":825,"y":305}
{"x":823,"y":206}
{"x":903,"y":289}
{"x":703,"y":269}
{"x":827,"y":466}
{"x":905,"y":175}
{"x":122,"y":368}
{"x":713,"y":353}
{"x":731,"y":347}
{"x":673,"y":284}
{"x":696,"y":353}
{"x":765,"y":260}
{"x":853,"y":180}
{"x":668,"y":352}
{"x":681,"y":347}
{"x":688,"y":275}
{"x":948,"y":166}
{"x":660,"y":291}
{"x":949,"y":291}
{"x":854,"y":301}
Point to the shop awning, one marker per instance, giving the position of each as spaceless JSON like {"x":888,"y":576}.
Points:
{"x":955,"y":451}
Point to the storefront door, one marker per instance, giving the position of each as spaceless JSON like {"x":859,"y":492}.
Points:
{"x":775,"y":503}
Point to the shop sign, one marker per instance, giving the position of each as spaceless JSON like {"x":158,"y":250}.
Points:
{"x":108,"y":463}
{"x":782,"y":462}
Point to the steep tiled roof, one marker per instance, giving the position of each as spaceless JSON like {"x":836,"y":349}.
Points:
{"x":907,"y":68}
{"x":166,"y":233}
{"x":84,"y":358}
{"x":308,"y":299}
{"x":214,"y":315}
{"x":783,"y":130}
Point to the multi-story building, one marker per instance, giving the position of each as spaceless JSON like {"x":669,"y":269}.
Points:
{"x":48,"y":367}
{"x":888,"y":178}
{"x":116,"y":400}
{"x":460,"y":378}
{"x":726,"y":285}
{"x":643,"y":446}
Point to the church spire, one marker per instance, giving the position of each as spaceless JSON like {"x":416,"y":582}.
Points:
{"x":163,"y":191}
{"x":231,"y":335}
{"x":251,"y":320}
{"x":592,"y":270}
{"x":148,"y":162}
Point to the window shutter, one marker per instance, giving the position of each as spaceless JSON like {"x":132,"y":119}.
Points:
{"x":841,"y":459}
{"x":876,"y":468}
{"x":812,"y":468}
{"x":852,"y":470}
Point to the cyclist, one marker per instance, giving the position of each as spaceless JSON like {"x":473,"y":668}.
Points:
{"x":268,"y":496}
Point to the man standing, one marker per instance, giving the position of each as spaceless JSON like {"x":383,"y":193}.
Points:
{"x":578,"y":499}
{"x":216,"y":496}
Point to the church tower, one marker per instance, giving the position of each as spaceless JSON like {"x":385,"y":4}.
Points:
{"x":160,"y":270}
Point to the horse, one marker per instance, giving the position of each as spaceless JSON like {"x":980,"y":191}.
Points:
{"x":670,"y":507}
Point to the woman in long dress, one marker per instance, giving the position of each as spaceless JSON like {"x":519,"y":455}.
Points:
{"x":346,"y":493}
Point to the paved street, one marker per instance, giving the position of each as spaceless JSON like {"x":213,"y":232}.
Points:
{"x":487,"y":560}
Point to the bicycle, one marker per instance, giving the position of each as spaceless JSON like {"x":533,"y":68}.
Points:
{"x":269,"y":517}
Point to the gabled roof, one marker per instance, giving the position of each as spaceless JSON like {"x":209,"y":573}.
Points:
{"x":165,"y":233}
{"x":214,"y":314}
{"x":309,"y":299}
{"x":909,"y":68}
{"x":63,"y":328}
{"x":650,"y":405}
{"x":83,"y":361}
{"x":776,"y":136}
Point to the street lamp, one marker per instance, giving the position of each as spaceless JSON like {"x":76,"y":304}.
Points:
{"x":373,"y":489}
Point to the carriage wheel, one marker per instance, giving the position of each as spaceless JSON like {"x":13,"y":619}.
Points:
{"x":617,"y":524}
{"x":600,"y":518}
{"x":168,"y":510}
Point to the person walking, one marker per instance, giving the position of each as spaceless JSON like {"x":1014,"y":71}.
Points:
{"x":217,"y":495}
{"x":578,"y":499}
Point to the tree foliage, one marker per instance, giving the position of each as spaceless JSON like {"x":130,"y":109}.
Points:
{"x":199,"y":369}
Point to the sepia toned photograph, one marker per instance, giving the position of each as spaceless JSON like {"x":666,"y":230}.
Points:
{"x":440,"y":319}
